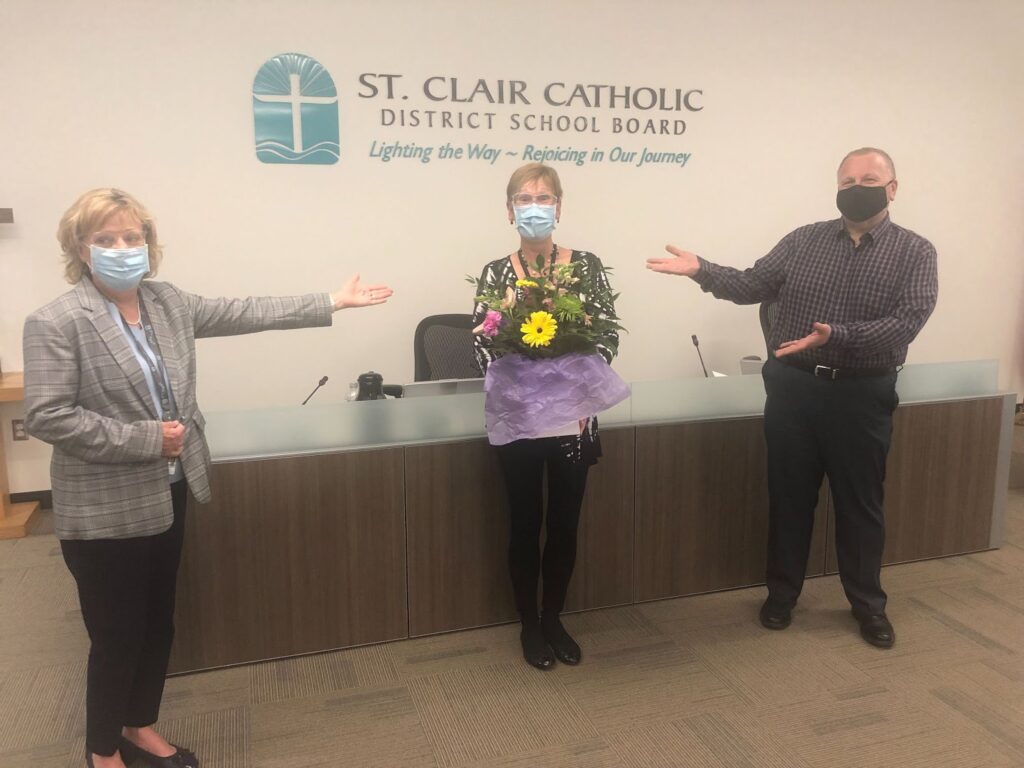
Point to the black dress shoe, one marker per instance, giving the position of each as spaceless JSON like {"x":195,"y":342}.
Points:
{"x":775,"y":616}
{"x":876,"y":629}
{"x":566,"y":649}
{"x":535,"y":647}
{"x":182,"y":758}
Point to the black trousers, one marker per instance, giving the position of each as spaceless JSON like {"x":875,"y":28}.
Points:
{"x":126,"y":589}
{"x":523,"y":463}
{"x":815,"y":426}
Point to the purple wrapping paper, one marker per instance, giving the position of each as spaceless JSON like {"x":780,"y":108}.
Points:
{"x":525,"y":397}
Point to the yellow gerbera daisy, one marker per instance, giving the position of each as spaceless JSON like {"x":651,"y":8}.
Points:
{"x":526,"y":284}
{"x":539,"y":330}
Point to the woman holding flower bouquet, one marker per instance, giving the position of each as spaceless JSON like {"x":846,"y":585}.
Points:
{"x":546,"y":333}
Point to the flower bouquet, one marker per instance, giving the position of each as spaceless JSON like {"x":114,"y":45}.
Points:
{"x":549,"y":332}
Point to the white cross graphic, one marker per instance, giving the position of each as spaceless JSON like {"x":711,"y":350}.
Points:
{"x":296,"y":99}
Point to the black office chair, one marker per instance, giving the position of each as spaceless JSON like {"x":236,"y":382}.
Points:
{"x":768,"y":313}
{"x":443,"y":348}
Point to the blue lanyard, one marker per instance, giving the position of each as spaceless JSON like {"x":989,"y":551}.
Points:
{"x":156,"y":368}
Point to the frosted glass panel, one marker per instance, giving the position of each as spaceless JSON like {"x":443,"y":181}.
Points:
{"x":697,"y":399}
{"x":944,"y":381}
{"x":379,"y":423}
{"x":341,"y":426}
{"x":616,"y":415}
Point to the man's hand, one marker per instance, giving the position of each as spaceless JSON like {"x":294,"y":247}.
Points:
{"x":684,"y":263}
{"x":818,"y":336}
{"x":174,"y":439}
{"x":355,"y":294}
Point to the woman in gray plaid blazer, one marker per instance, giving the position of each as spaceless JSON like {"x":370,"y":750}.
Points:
{"x":110,"y":383}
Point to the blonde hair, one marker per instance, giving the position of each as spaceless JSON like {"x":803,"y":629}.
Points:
{"x":533,"y":172}
{"x":86,"y":216}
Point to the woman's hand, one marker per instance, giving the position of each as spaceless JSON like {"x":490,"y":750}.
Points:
{"x":355,"y":294}
{"x":174,"y":439}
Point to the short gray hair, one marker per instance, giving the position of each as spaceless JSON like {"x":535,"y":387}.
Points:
{"x":869,"y":151}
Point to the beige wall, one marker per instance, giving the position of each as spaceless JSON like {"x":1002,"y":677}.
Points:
{"x":155,"y":97}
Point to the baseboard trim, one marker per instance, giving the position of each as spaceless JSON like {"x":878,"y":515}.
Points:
{"x":45,"y":498}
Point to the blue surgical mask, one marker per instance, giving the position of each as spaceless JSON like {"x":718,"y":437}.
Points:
{"x":535,"y":222}
{"x":120,"y":269}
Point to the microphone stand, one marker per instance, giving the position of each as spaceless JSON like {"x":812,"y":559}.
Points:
{"x":700,"y":357}
{"x":322,"y":382}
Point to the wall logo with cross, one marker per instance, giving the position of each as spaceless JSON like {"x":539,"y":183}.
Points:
{"x":295,"y":112}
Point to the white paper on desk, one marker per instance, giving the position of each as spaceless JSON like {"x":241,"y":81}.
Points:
{"x":570,"y":429}
{"x":718,"y":375}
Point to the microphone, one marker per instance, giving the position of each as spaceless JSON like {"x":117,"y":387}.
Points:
{"x":699,"y":355}
{"x":322,"y":382}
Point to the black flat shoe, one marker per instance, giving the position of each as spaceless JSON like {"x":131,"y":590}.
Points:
{"x":565,"y":648}
{"x":876,"y":629}
{"x":89,"y":762}
{"x":774,"y":616}
{"x":535,"y":647}
{"x":182,"y":758}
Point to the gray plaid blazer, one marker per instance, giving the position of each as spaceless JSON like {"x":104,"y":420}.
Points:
{"x":85,"y":394}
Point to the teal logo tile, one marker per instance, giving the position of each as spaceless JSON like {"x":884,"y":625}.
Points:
{"x":295,"y":111}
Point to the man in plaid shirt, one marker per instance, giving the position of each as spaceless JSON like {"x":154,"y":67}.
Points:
{"x":851,"y":294}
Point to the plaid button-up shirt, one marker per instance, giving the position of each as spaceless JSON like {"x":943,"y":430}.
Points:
{"x":876,"y":296}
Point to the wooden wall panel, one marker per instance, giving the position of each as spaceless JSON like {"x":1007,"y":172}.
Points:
{"x":293,"y":555}
{"x":940,"y":480}
{"x":702,"y":508}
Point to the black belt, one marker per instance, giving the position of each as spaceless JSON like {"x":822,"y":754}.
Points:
{"x":827,"y":372}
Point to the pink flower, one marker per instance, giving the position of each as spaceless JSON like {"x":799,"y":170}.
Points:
{"x":492,"y":322}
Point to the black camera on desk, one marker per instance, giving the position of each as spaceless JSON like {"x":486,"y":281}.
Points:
{"x":372,"y":387}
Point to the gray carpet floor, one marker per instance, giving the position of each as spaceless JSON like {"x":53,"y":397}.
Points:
{"x":687,"y":682}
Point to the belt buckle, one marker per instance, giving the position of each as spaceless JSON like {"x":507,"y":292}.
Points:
{"x":832,"y":373}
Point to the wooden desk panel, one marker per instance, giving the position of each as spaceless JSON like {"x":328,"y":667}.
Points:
{"x":293,"y":555}
{"x":940,"y":480}
{"x":702,"y":509}
{"x":458,"y":538}
{"x":458,"y":535}
{"x":604,"y":564}
{"x":309,"y":553}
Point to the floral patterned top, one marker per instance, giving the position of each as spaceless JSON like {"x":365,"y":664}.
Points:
{"x":500,"y":274}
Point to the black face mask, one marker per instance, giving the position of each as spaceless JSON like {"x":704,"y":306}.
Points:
{"x":860,"y":203}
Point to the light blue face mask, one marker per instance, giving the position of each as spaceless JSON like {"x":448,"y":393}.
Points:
{"x":535,"y":222}
{"x":120,"y":269}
